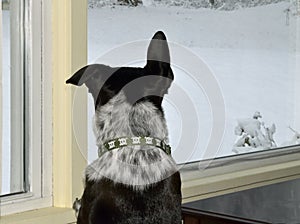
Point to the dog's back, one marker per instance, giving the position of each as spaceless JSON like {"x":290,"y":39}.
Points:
{"x":134,"y":180}
{"x":107,"y":202}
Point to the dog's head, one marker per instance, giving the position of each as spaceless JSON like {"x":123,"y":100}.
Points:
{"x":139,"y":84}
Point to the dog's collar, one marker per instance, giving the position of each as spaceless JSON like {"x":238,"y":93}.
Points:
{"x":132,"y":141}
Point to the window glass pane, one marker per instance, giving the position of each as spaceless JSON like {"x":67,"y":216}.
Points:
{"x":248,"y":51}
{"x":5,"y":98}
{"x":12,"y":162}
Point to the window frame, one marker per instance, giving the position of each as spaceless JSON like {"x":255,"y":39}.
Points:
{"x":38,"y":137}
{"x":226,"y":175}
{"x":61,"y":34}
{"x":19,"y":69}
{"x":69,"y":53}
{"x":1,"y":88}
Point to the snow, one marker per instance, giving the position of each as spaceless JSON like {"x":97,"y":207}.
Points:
{"x":250,"y":52}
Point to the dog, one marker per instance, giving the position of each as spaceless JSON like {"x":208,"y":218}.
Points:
{"x":135,"y":180}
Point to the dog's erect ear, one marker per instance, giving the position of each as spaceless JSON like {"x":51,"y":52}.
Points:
{"x":93,"y":76}
{"x":158,"y":55}
{"x":159,"y":68}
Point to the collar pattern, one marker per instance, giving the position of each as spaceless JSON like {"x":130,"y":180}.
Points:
{"x":137,"y":140}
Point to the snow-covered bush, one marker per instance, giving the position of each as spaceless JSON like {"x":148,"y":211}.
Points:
{"x":102,"y":3}
{"x":253,"y":135}
{"x":218,"y":4}
{"x":295,"y":140}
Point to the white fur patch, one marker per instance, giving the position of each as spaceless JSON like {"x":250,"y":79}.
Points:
{"x":132,"y":167}
{"x":136,"y":166}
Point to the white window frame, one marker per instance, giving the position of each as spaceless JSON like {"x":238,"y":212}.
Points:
{"x":38,"y":134}
{"x":17,"y":113}
{"x":1,"y":87}
{"x":63,"y":157}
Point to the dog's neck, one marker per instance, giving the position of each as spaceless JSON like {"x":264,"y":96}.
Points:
{"x":118,"y":119}
{"x":137,"y":166}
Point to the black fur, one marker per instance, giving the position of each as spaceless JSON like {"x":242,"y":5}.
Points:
{"x":148,"y":83}
{"x":107,"y":202}
{"x":110,"y":203}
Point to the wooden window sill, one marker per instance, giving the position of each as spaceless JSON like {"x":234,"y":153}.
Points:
{"x":240,"y":173}
{"x":46,"y":216}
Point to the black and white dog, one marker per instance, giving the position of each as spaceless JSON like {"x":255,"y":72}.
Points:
{"x":134,"y":180}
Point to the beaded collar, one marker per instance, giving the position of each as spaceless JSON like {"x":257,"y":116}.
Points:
{"x":132,"y":141}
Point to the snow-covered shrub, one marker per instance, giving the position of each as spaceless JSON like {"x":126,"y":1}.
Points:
{"x":253,"y":134}
{"x":130,"y":2}
{"x":102,"y":3}
{"x":295,"y":140}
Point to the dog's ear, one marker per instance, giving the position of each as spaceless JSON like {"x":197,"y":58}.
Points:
{"x":159,"y":68}
{"x":93,"y":76}
{"x":83,"y":75}
{"x":158,"y":55}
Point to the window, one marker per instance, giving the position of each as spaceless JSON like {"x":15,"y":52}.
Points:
{"x":54,"y":48}
{"x":236,"y":63}
{"x":13,"y":101}
{"x":25,"y":168}
{"x":68,"y":39}
{"x":13,"y":86}
{"x":242,"y":80}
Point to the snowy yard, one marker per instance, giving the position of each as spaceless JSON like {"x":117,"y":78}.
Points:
{"x":250,"y":51}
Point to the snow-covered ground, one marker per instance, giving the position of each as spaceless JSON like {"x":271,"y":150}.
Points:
{"x":250,"y":52}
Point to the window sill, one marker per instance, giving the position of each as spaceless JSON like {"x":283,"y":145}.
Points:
{"x":228,"y":175}
{"x":46,"y":216}
{"x":222,"y":176}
